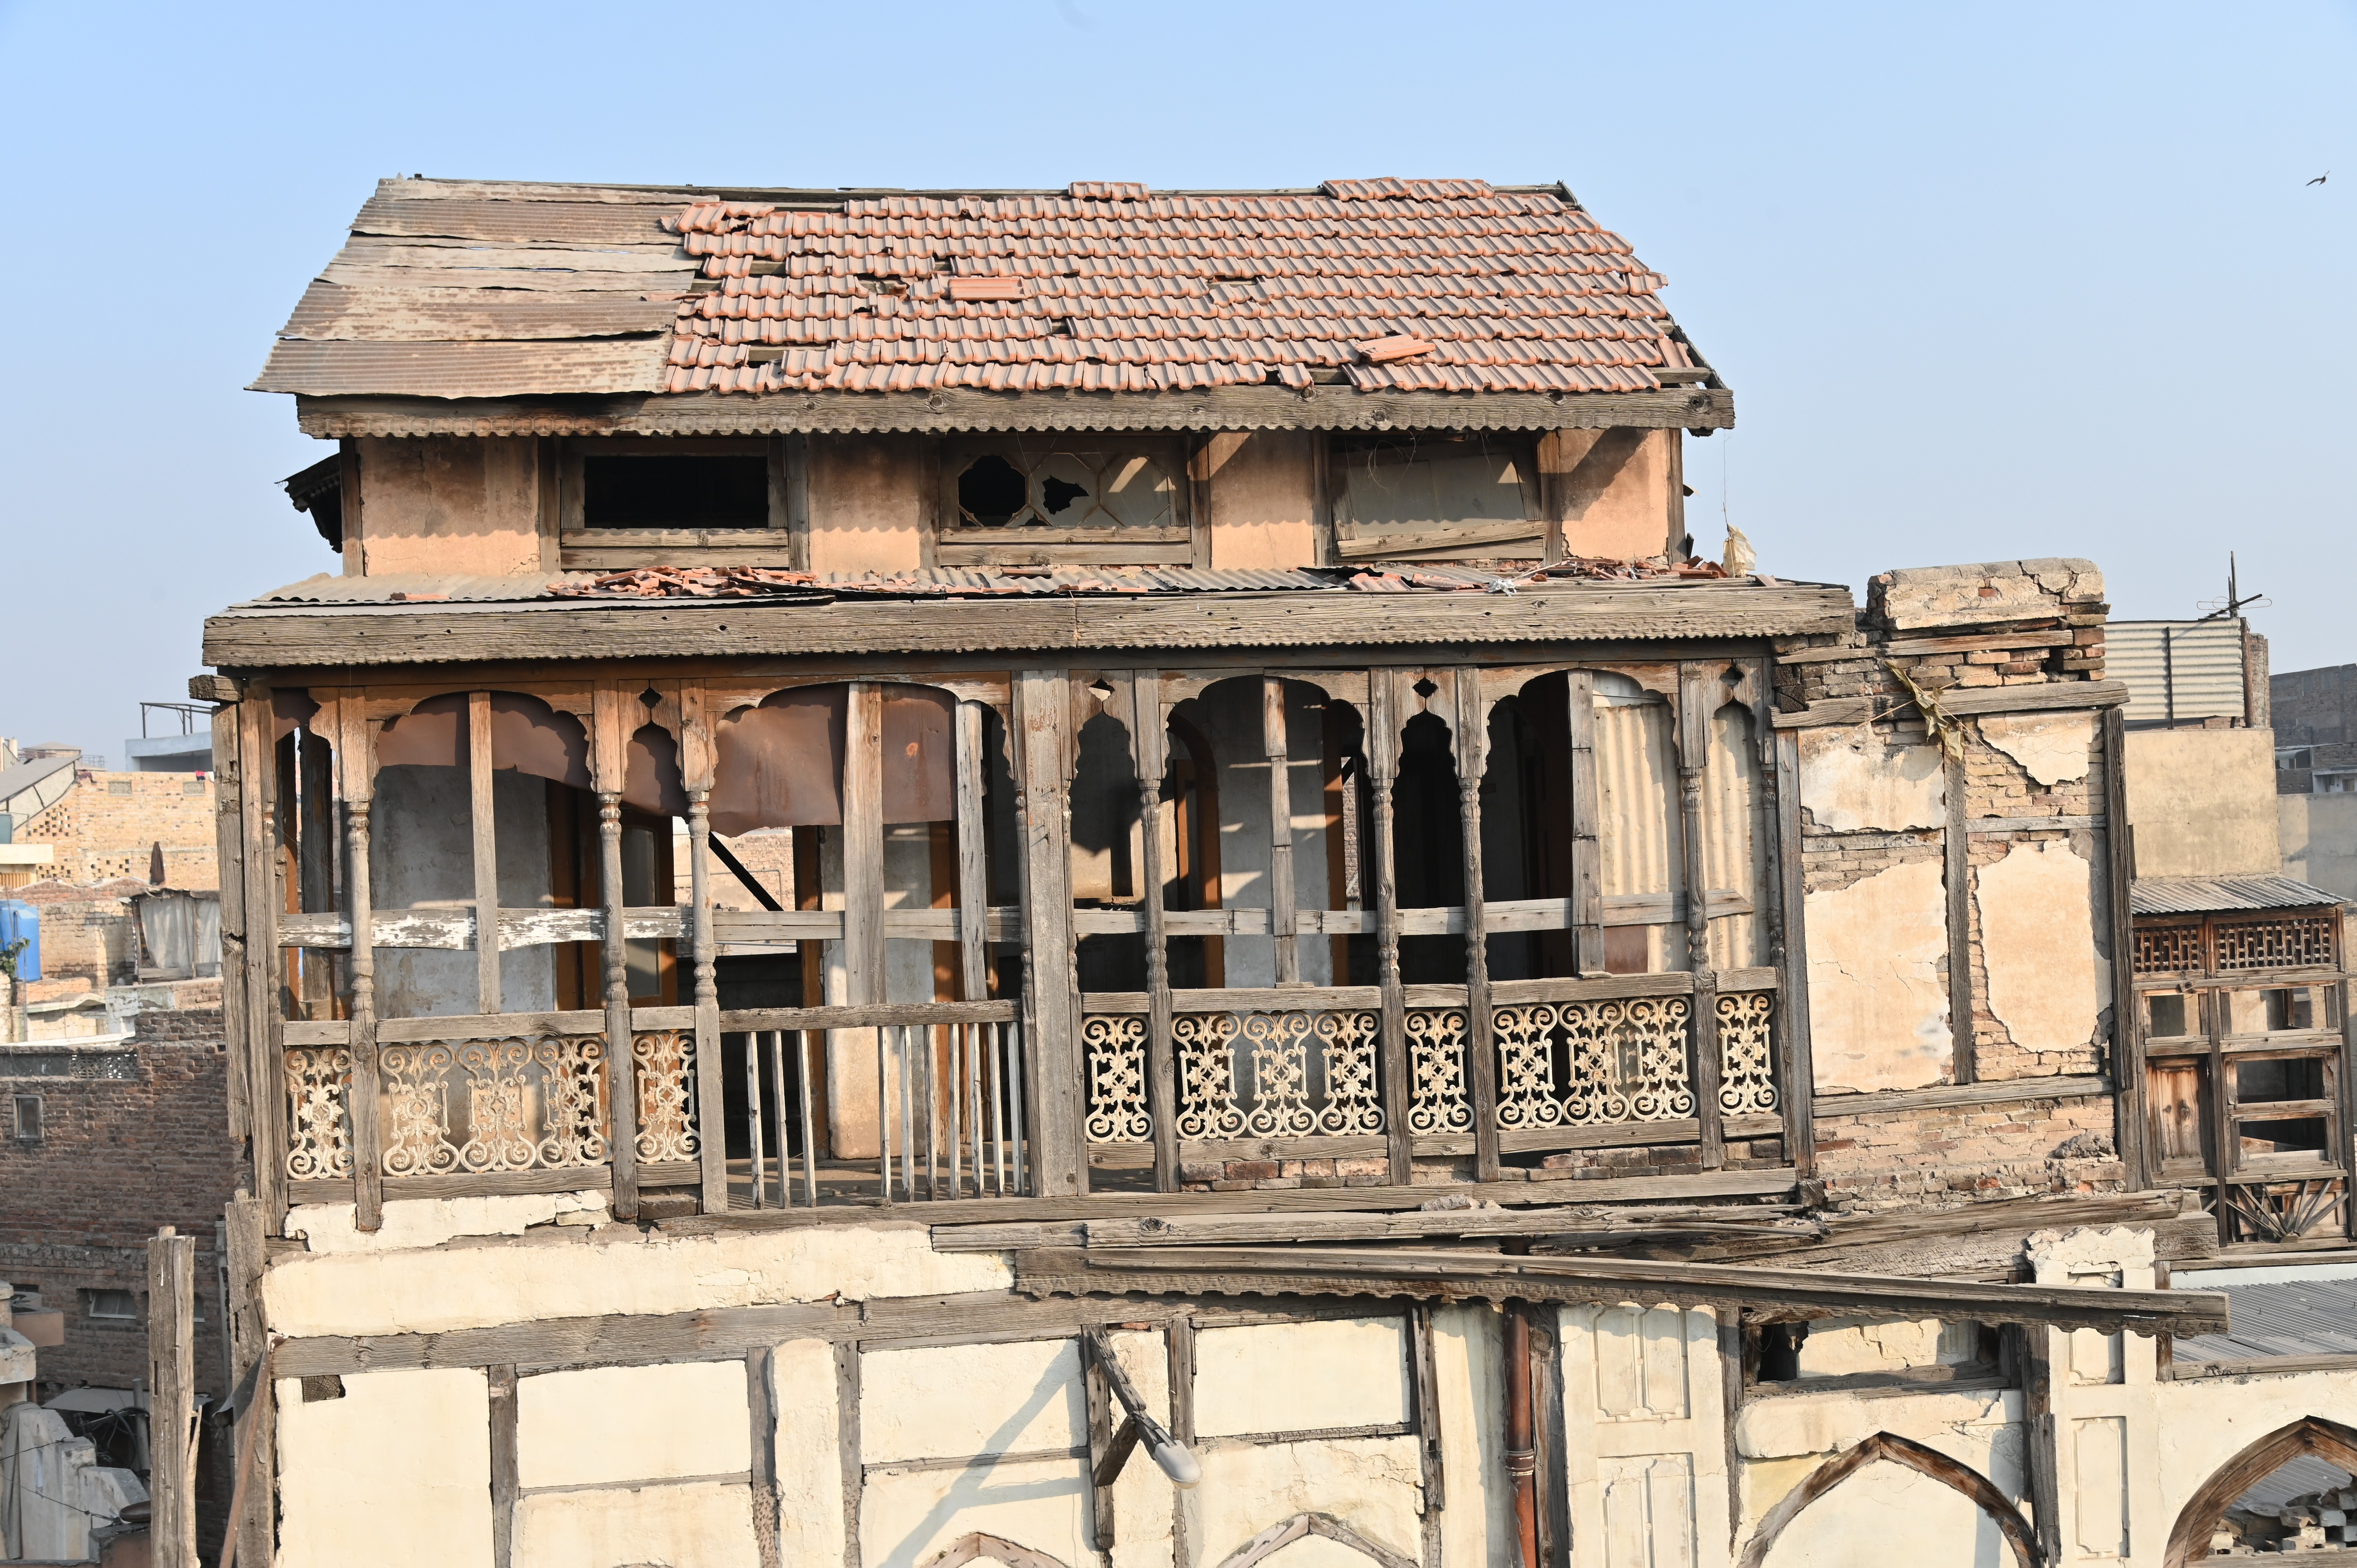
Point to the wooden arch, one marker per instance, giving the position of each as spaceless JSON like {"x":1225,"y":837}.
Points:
{"x":1285,"y":1532}
{"x":1903,"y":1451}
{"x":965,"y":1549}
{"x":2329,"y":1441}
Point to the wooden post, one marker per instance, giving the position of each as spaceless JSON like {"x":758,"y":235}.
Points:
{"x":265,"y":1060}
{"x":696,"y":764}
{"x":863,"y":844}
{"x":359,"y":760}
{"x":1383,"y":774}
{"x":1958,"y":875}
{"x":761,"y":1406}
{"x":2128,"y":1019}
{"x":1147,"y":746}
{"x":1052,"y":1085}
{"x":1586,"y":853}
{"x":482,"y":815}
{"x":1283,"y":914}
{"x":974,"y":937}
{"x":315,"y":860}
{"x":172,"y":1382}
{"x":1099,"y":1399}
{"x":608,"y":761}
{"x":236,"y":1021}
{"x":1696,"y":684}
{"x":257,"y":1419}
{"x":1795,"y":1070}
{"x":505,"y":1474}
{"x":1471,"y":730}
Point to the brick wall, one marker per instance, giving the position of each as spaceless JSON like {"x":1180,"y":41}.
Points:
{"x":90,"y":933}
{"x":1969,"y":1153}
{"x":109,"y":824}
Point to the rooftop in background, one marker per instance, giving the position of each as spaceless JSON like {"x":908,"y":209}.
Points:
{"x":475,"y":290}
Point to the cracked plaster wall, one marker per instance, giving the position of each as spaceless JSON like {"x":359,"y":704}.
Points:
{"x":2045,"y":982}
{"x":1878,"y":991}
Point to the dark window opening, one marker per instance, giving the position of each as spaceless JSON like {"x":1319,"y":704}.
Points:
{"x":1428,"y":841}
{"x":992,"y":492}
{"x":666,"y":491}
{"x":28,"y":1119}
{"x":2306,"y":1135}
{"x":1058,"y":494}
{"x":111,"y":1305}
{"x":2169,"y":1015}
{"x":2279,"y":1078}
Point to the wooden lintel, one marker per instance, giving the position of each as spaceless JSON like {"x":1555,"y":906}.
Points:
{"x":2042,"y":697}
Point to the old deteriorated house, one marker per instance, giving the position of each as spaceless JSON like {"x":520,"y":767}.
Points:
{"x":1087,"y":877}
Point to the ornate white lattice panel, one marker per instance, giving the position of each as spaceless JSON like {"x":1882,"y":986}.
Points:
{"x":319,"y":1123}
{"x":1746,"y":1076}
{"x":1437,"y":1101}
{"x":1116,"y":1050}
{"x":664,"y":1070}
{"x":1276,"y":1075}
{"x":489,"y":1106}
{"x":1593,"y":1064}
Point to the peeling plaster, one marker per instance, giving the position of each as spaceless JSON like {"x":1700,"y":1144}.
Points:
{"x":1877,"y":993}
{"x":1853,"y":779}
{"x":2046,"y":983}
{"x":414,"y":1223}
{"x":2051,"y":748}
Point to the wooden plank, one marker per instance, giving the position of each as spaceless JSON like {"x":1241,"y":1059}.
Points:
{"x":1424,"y":1383}
{"x":1042,"y":720}
{"x":482,"y":816}
{"x":616,"y":1339}
{"x":505,"y":1482}
{"x":1341,"y":625}
{"x":1228,"y":1230}
{"x":1963,"y":1017}
{"x":172,"y":1378}
{"x":1150,"y":744}
{"x":1795,"y":1069}
{"x":266,"y":1057}
{"x":880,"y":1015}
{"x":1586,"y":859}
{"x":2046,"y":696}
{"x":1469,"y":729}
{"x":1697,"y":688}
{"x":488,"y":1184}
{"x":1795,"y":1292}
{"x":358,"y":756}
{"x":1277,"y":748}
{"x":862,"y":846}
{"x":1097,"y":1395}
{"x":1995,"y":1092}
{"x":846,"y":1416}
{"x":2130,"y":1128}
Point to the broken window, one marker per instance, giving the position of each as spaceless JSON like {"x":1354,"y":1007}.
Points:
{"x":1420,"y":497}
{"x":111,"y":1305}
{"x":669,"y":485}
{"x":27,"y":1118}
{"x":1839,"y":1354}
{"x":1017,"y":501}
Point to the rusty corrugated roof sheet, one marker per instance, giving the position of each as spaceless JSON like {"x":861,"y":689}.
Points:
{"x":2219,"y":895}
{"x":478,"y":290}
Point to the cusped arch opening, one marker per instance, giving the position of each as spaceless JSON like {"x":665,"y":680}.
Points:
{"x":1885,"y":1447}
{"x":1313,"y":1540}
{"x":2312,"y":1437}
{"x":984,"y":1548}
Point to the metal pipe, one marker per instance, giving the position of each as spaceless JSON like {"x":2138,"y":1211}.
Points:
{"x":753,"y":1115}
{"x":1522,"y":1453}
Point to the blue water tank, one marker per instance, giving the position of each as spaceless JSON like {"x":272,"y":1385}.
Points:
{"x":22,"y":922}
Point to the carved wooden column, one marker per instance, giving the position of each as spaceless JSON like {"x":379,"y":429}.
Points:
{"x":697,"y":762}
{"x":621,"y":1058}
{"x":1147,"y":738}
{"x":1471,"y":728}
{"x":1697,"y":687}
{"x":1383,"y":774}
{"x":360,"y":786}
{"x":1284,"y":915}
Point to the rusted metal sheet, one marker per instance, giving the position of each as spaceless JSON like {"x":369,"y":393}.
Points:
{"x":527,"y":736}
{"x":920,"y":755}
{"x":650,"y":776}
{"x":781,"y":762}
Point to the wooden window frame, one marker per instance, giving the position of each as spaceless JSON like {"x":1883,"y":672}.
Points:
{"x":782,"y":544}
{"x":1455,"y":542}
{"x":956,"y":544}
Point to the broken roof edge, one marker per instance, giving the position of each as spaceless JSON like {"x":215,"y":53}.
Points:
{"x":423,"y":186}
{"x":1699,"y":408}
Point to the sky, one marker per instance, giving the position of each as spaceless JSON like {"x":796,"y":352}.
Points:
{"x":1988,"y":282}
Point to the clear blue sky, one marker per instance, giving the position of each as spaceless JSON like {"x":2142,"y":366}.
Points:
{"x":1988,"y":281}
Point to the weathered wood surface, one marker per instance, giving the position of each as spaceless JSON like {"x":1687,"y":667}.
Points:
{"x":951,"y":409}
{"x":1991,"y":1091}
{"x":257,"y":1420}
{"x":455,"y":928}
{"x":1466,"y":1275}
{"x":1184,"y":1230}
{"x":2042,"y":697}
{"x":172,"y":1378}
{"x":1678,"y":613}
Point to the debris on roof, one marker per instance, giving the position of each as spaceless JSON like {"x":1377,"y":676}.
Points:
{"x":687,"y":583}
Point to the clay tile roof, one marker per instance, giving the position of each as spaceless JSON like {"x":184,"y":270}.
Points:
{"x":470,"y":290}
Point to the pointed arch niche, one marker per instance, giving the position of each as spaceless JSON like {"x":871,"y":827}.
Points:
{"x":2336,"y":1445}
{"x":1875,"y":1543}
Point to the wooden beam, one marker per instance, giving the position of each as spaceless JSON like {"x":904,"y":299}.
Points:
{"x":1586,"y":857}
{"x":610,"y":735}
{"x":243,"y":1060}
{"x":1450,"y":1275}
{"x":257,"y":1420}
{"x":862,"y":846}
{"x":1283,"y":920}
{"x":505,"y":1481}
{"x":617,"y":1339}
{"x":953,"y":410}
{"x":1104,"y":1462}
{"x":761,"y":1406}
{"x":1996,"y":1091}
{"x":1697,"y":689}
{"x":2127,"y":1006}
{"x":847,"y":1437}
{"x":1963,"y":1017}
{"x":173,"y":1427}
{"x":2046,"y":696}
{"x":697,"y":758}
{"x":1205,"y":1230}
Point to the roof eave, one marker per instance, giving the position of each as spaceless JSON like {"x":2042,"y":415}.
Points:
{"x":1697,"y":408}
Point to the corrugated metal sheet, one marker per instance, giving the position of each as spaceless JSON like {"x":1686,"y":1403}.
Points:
{"x":2176,"y":670}
{"x":2302,"y":1475}
{"x":2280,"y":1317}
{"x":2212,"y":895}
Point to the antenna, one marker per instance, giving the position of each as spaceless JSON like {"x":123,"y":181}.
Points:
{"x":2233,"y":604}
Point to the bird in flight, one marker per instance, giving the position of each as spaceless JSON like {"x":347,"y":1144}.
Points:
{"x":2319,"y":179}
